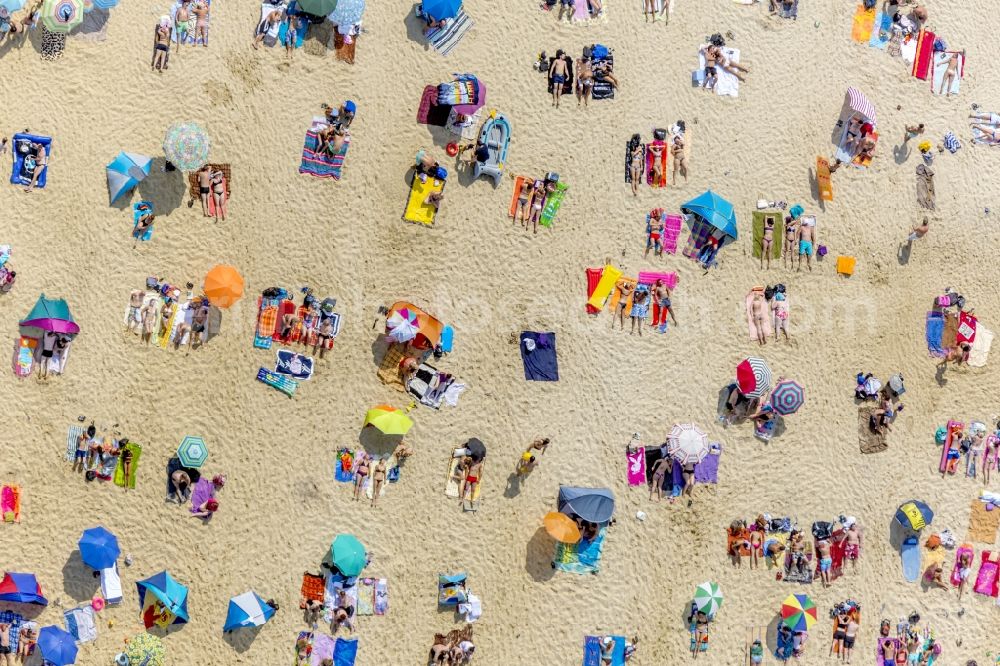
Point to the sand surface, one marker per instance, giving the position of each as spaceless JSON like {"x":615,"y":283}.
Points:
{"x":489,"y":279}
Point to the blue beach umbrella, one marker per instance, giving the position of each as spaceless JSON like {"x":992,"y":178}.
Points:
{"x":714,"y":210}
{"x":105,"y":4}
{"x":914,"y":515}
{"x":348,"y":12}
{"x":168,"y":592}
{"x":99,"y":548}
{"x":192,"y":452}
{"x":125,"y":172}
{"x":12,"y":5}
{"x":58,"y":647}
{"x":247,"y":610}
{"x":442,"y":9}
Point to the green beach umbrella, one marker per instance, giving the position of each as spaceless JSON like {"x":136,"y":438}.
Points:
{"x":708,"y":598}
{"x":186,"y":145}
{"x":192,"y":452}
{"x":348,"y":554}
{"x":318,"y":7}
{"x":61,"y":16}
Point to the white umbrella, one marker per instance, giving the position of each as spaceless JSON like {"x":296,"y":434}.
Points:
{"x":687,"y":444}
{"x":400,"y":327}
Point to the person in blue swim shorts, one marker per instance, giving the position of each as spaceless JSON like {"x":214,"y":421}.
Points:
{"x":825,"y":561}
{"x":559,"y":73}
{"x":807,"y":237}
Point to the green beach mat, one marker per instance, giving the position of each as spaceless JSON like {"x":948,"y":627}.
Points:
{"x":758,"y":233}
{"x":552,"y":204}
{"x":120,"y":468}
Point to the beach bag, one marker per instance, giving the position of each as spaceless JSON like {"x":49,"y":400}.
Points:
{"x":769,"y":292}
{"x":822,"y":530}
{"x":660,"y":134}
{"x":599,"y":52}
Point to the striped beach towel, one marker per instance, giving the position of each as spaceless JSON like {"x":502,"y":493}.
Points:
{"x":80,"y":623}
{"x":321,"y":165}
{"x":15,"y":621}
{"x":71,"y":435}
{"x":445,"y":39}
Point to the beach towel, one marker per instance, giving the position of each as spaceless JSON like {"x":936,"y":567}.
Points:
{"x":616,"y":296}
{"x":727,"y":83}
{"x":416,"y":209}
{"x":189,"y":35}
{"x":301,"y":28}
{"x":650,"y":160}
{"x":964,"y":549}
{"x":22,"y":173}
{"x":111,"y":584}
{"x":279,"y":382}
{"x":707,"y":471}
{"x":924,"y":55}
{"x":933,"y":330}
{"x":80,"y":623}
{"x":16,"y":621}
{"x":862,"y":25}
{"x":119,"y":478}
{"x":986,"y":580}
{"x":650,"y":277}
{"x":552,"y":204}
{"x":636,"y":466}
{"x":609,"y":276}
{"x":519,"y":181}
{"x":269,"y":31}
{"x":72,"y":434}
{"x":751,"y":324}
{"x":950,"y":443}
{"x":966,"y":331}
{"x":344,"y":466}
{"x":382,"y":596}
{"x":322,"y":648}
{"x":138,"y":210}
{"x":593,"y":278}
{"x":759,"y":219}
{"x":671,"y":232}
{"x":366,"y":596}
{"x":443,"y":40}
{"x":267,"y":319}
{"x":322,"y":165}
{"x":312,"y":587}
{"x":910,"y":557}
{"x":24,"y":356}
{"x":455,"y":476}
{"x":823,"y":182}
{"x":880,"y":31}
{"x":700,"y":233}
{"x":582,"y":557}
{"x":983,"y":524}
{"x":295,"y":365}
{"x":940,"y":66}
{"x":10,"y":503}
{"x":202,"y":492}
{"x":879,"y":655}
{"x":981,"y":347}
{"x":592,"y":651}
{"x":345,"y":651}
{"x":869,"y":440}
{"x":342,"y":50}
{"x":632,"y":144}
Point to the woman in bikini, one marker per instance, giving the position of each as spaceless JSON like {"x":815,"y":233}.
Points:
{"x":219,"y":194}
{"x":656,"y":151}
{"x":538,"y":195}
{"x":584,"y":82}
{"x":680,"y":157}
{"x":990,"y":456}
{"x":756,"y":547}
{"x":378,"y":479}
{"x":637,"y":161}
{"x":791,"y":235}
{"x":361,"y":467}
{"x":523,"y":195}
{"x":625,"y":287}
{"x":839,"y":633}
{"x":161,"y":48}
{"x":767,"y":243}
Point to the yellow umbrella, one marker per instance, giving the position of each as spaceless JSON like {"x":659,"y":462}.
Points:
{"x":561,"y":527}
{"x":388,"y":420}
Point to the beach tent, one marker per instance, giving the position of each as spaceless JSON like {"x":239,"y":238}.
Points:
{"x":388,"y":420}
{"x":99,"y":548}
{"x":348,"y":555}
{"x":914,"y":515}
{"x":714,"y":211}
{"x":58,"y":647}
{"x":247,"y":610}
{"x":163,"y":600}
{"x":425,"y":329}
{"x":855,"y":102}
{"x":21,"y":588}
{"x":442,"y":9}
{"x":125,"y":172}
{"x":49,"y":314}
{"x":595,"y":505}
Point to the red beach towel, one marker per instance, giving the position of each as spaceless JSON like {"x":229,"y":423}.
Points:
{"x":925,"y":55}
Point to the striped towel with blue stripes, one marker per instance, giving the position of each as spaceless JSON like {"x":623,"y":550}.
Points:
{"x":445,"y":39}
{"x":951,"y":142}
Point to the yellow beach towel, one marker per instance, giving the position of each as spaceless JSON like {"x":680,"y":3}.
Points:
{"x":416,"y":209}
{"x":863,"y":24}
{"x":120,"y":479}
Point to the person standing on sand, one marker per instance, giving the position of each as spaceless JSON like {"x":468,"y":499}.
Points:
{"x":204,"y":187}
{"x":662,"y":306}
{"x":378,"y":480}
{"x":680,"y":157}
{"x":758,"y":310}
{"x":913,"y":131}
{"x":200,"y":11}
{"x":919,"y":231}
{"x":558,"y":72}
{"x":625,"y":287}
{"x":148,"y":321}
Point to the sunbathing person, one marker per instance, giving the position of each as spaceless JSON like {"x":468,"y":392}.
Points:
{"x":719,"y":59}
{"x":183,"y":23}
{"x":780,"y":309}
{"x":361,"y":467}
{"x":640,"y":310}
{"x":807,"y":237}
{"x":343,"y":613}
{"x":538,"y":195}
{"x":161,"y":48}
{"x":659,"y":472}
{"x":950,"y":74}
{"x":323,"y":336}
{"x":523,"y":196}
{"x":219,"y":194}
{"x":773,"y":549}
{"x":180,"y":481}
{"x":625,"y":287}
{"x":602,"y":72}
{"x":434,"y":199}
{"x":756,"y":548}
{"x":657,"y":151}
{"x":880,"y":419}
{"x":637,"y":163}
{"x":142,"y":225}
{"x":584,"y":81}
{"x":134,"y":310}
{"x":964,"y":571}
{"x":272,"y":19}
{"x":378,"y":480}
{"x":654,"y":240}
{"x":990,"y":134}
{"x":758,"y":310}
{"x":37,"y":158}
{"x":679,"y":149}
{"x":473,"y":473}
{"x":558,"y":72}
{"x":767,"y":242}
{"x":957,"y":355}
{"x":424,"y":165}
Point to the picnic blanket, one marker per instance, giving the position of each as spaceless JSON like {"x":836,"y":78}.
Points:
{"x":862,"y":24}
{"x":940,"y":66}
{"x":10,"y":503}
{"x":443,"y":40}
{"x":759,"y":218}
{"x":80,"y":623}
{"x":983,"y":524}
{"x":981,"y":347}
{"x":582,"y":557}
{"x":553,"y":202}
{"x":322,"y":165}
{"x":189,"y":35}
{"x":869,"y":440}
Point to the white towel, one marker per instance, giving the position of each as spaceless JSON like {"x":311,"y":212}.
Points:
{"x":981,"y":347}
{"x":271,"y":36}
{"x":80,"y":623}
{"x":111,"y":585}
{"x":471,"y":609}
{"x":727,"y":83}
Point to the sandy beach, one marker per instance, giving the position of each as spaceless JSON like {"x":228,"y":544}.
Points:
{"x":490,"y":279}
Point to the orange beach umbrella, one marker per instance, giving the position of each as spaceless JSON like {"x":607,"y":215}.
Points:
{"x":223,"y":286}
{"x":561,"y":527}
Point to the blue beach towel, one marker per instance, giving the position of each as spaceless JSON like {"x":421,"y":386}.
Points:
{"x":21,"y":174}
{"x":592,"y":651}
{"x":934,"y":331}
{"x":540,"y":364}
{"x":580,"y":558}
{"x":138,"y":210}
{"x":880,"y":31}
{"x":300,"y":29}
{"x":345,"y":651}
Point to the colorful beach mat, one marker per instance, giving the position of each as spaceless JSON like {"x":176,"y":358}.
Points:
{"x":321,"y":165}
{"x":443,"y":40}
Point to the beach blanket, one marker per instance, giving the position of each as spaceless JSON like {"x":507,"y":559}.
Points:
{"x":924,"y":56}
{"x":267,"y":319}
{"x":21,"y":173}
{"x":322,"y":165}
{"x":868,"y":439}
{"x":609,"y":276}
{"x":940,"y":66}
{"x":382,"y":594}
{"x":138,"y":210}
{"x":933,"y":330}
{"x":344,"y":466}
{"x":981,"y":347}
{"x":751,"y":324}
{"x":280,"y":382}
{"x":759,"y":218}
{"x":80,"y":623}
{"x":24,"y":356}
{"x":16,"y":621}
{"x":553,"y":201}
{"x":964,"y":549}
{"x":986,"y":580}
{"x":443,"y":40}
{"x":862,"y":25}
{"x":671,"y":232}
{"x":119,"y":478}
{"x":983,"y":523}
{"x":593,"y":279}
{"x":345,"y":651}
{"x":312,"y":587}
{"x":910,"y":557}
{"x":202,"y":492}
{"x":416,"y":209}
{"x":727,"y":83}
{"x":966,"y":328}
{"x":707,"y":471}
{"x":322,"y":648}
{"x":650,"y":277}
{"x":592,"y":651}
{"x":294,"y":365}
{"x":700,"y":233}
{"x":636,"y":467}
{"x":72,"y":434}
{"x":10,"y":503}
{"x":650,"y":161}
{"x":823,"y":183}
{"x":342,"y":50}
{"x":270,"y":31}
{"x":189,"y":35}
{"x":467,"y":129}
{"x":366,"y":596}
{"x":519,"y":181}
{"x":582,"y":557}
{"x":429,"y":112}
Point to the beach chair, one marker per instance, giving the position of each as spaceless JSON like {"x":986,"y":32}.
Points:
{"x":111,"y":585}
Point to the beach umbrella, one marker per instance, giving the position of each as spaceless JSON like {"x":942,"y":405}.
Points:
{"x":429,"y":328}
{"x":347,"y":12}
{"x":247,"y":610}
{"x":855,"y":100}
{"x":99,"y":548}
{"x":192,"y":452}
{"x":687,"y":444}
{"x":442,"y":9}
{"x":223,"y":286}
{"x":714,"y":210}
{"x":186,"y":145}
{"x":21,"y":588}
{"x":478,"y":101}
{"x":798,"y":612}
{"x":125,"y":172}
{"x":754,"y":377}
{"x":561,"y":527}
{"x":61,"y":16}
{"x":477,"y":450}
{"x":708,"y":598}
{"x":914,"y":515}
{"x":787,"y":397}
{"x":348,"y":555}
{"x":402,"y":325}
{"x":145,"y":649}
{"x":49,"y":314}
{"x":388,"y":420}
{"x":318,"y":7}
{"x":163,"y":600}
{"x":105,"y":4}
{"x":11,"y":5}
{"x":58,"y":647}
{"x":595,"y":505}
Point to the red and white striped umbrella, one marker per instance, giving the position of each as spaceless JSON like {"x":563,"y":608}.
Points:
{"x":754,"y":377}
{"x":687,"y":444}
{"x":857,"y":101}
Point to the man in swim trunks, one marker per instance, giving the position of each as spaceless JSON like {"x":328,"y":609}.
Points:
{"x":558,"y":72}
{"x":662,"y":306}
{"x":134,"y":305}
{"x":182,"y":24}
{"x":204,"y":187}
{"x":807,"y":236}
{"x":161,"y":46}
{"x":852,"y":549}
{"x":654,"y":241}
{"x":825,"y":563}
{"x":659,"y":470}
{"x":473,"y":473}
{"x":850,"y":636}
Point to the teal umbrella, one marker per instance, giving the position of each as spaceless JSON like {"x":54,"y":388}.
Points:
{"x":186,"y":145}
{"x":49,"y":314}
{"x":715,"y":210}
{"x":125,"y":172}
{"x":192,"y":452}
{"x":318,"y":7}
{"x":348,"y":554}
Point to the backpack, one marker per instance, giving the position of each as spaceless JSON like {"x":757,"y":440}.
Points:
{"x":822,"y":530}
{"x":599,"y":52}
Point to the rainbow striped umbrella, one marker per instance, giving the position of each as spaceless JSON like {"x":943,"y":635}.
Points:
{"x":186,"y":145}
{"x":798,"y":612}
{"x":61,"y":16}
